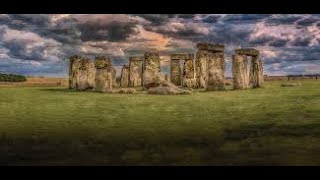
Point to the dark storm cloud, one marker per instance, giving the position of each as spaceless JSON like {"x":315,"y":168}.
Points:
{"x":228,"y":34}
{"x":308,"y":21}
{"x":279,"y":43}
{"x":156,"y":19}
{"x":113,"y":31}
{"x":301,"y":41}
{"x":186,"y":16}
{"x":283,"y":19}
{"x":211,"y":19}
{"x":245,"y":18}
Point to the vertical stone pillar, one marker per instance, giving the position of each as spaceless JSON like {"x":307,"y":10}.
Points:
{"x":201,"y":68}
{"x":86,"y":75}
{"x":104,"y":77}
{"x":135,"y":71}
{"x":124,"y":76}
{"x":210,"y":66}
{"x":114,"y":77}
{"x":175,"y":71}
{"x":188,"y":75}
{"x":151,"y":70}
{"x":74,"y":71}
{"x":254,"y":77}
{"x":239,"y":71}
{"x":256,"y":72}
{"x":216,"y":72}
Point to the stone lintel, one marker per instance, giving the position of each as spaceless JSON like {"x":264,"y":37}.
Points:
{"x":182,"y":56}
{"x":136,"y":58}
{"x":211,"y":47}
{"x":248,"y":51}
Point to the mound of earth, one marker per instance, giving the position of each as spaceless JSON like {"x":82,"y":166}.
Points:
{"x":167,"y":88}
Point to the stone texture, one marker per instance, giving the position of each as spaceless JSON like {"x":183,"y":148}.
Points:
{"x":210,"y":47}
{"x":103,"y":78}
{"x":175,"y":72}
{"x":135,"y":71}
{"x":85,"y":75}
{"x":151,"y":70}
{"x":247,"y":52}
{"x":74,"y":71}
{"x":216,"y":72}
{"x":114,"y":77}
{"x":201,"y":68}
{"x":188,"y":75}
{"x":239,"y":72}
{"x":182,"y":56}
{"x":256,"y":72}
{"x":167,"y":88}
{"x":124,"y":82}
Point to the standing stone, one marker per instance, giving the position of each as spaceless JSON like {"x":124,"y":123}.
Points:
{"x":256,"y":72}
{"x":114,"y":77}
{"x":124,"y":76}
{"x":151,"y":70}
{"x":188,"y":75}
{"x":201,"y":68}
{"x":239,"y":71}
{"x":74,"y":71}
{"x":216,"y":71}
{"x":210,"y":66}
{"x":175,"y":72}
{"x":86,"y":75}
{"x":135,"y":71}
{"x":103,"y":78}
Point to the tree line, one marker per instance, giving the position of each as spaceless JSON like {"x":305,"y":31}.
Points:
{"x":12,"y":78}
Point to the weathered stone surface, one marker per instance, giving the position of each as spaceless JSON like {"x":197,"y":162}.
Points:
{"x":124,"y":82}
{"x":85,"y":75}
{"x":104,"y":78}
{"x":175,"y":72}
{"x":114,"y":77}
{"x":74,"y":71}
{"x":135,"y":71}
{"x":151,"y":70}
{"x":188,"y":75}
{"x":247,"y":52}
{"x":182,"y":56}
{"x":216,"y":71}
{"x":123,"y":90}
{"x":201,"y":68}
{"x":256,"y":72}
{"x":239,"y":72}
{"x":167,"y":88}
{"x":210,"y":47}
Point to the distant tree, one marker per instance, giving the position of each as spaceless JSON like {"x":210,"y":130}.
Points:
{"x":12,"y":78}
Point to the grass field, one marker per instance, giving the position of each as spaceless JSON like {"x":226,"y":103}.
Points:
{"x":54,"y":126}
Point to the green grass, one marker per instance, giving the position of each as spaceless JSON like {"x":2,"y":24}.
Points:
{"x":54,"y":126}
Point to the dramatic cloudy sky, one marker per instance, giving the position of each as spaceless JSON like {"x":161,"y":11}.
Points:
{"x":41,"y":44}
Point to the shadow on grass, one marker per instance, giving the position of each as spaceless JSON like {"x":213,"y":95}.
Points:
{"x":63,"y":90}
{"x":260,"y":130}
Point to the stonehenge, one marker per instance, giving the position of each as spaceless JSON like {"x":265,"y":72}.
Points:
{"x":210,"y":64}
{"x":151,"y":70}
{"x":81,"y":73}
{"x":135,"y":71}
{"x":203,"y":70}
{"x":186,"y":76}
{"x":124,"y":81}
{"x":103,"y":77}
{"x":243,"y":77}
